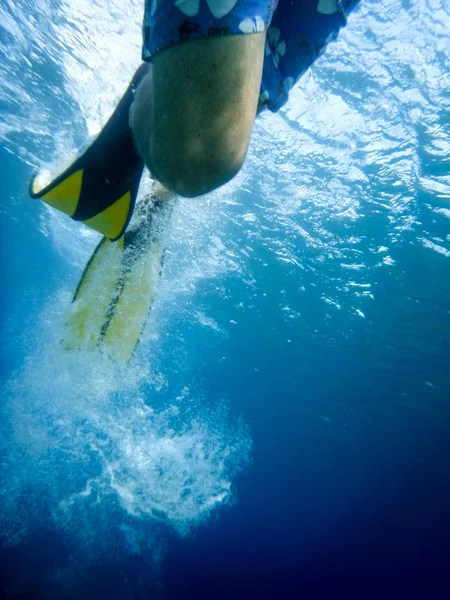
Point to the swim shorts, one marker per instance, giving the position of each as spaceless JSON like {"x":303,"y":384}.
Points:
{"x":298,"y":32}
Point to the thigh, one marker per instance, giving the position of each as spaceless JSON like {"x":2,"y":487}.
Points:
{"x":205,"y":94}
{"x":207,"y":58}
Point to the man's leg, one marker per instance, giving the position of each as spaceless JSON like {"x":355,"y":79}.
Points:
{"x":193,"y":113}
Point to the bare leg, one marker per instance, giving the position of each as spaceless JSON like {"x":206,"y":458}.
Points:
{"x":193,"y":112}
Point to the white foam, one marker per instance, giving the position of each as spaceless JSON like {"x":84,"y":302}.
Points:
{"x":95,"y":444}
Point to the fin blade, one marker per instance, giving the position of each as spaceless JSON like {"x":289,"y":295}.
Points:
{"x":134,"y":304}
{"x":91,"y":303}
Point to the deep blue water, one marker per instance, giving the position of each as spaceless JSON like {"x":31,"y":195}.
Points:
{"x":285,"y":426}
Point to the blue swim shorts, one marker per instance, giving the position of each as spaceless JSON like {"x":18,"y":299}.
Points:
{"x":298,"y":32}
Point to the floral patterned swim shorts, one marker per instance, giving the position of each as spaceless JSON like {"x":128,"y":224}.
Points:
{"x":298,"y":31}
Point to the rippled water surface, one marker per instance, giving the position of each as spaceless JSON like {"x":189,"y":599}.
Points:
{"x":285,"y":423}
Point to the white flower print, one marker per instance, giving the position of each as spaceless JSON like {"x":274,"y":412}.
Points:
{"x":327,"y":7}
{"x":219,"y":8}
{"x":255,"y":25}
{"x":274,"y":46}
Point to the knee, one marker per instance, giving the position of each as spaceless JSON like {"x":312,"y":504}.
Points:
{"x":187,"y":159}
{"x":195,"y":171}
{"x":190,"y":169}
{"x":189,"y":165}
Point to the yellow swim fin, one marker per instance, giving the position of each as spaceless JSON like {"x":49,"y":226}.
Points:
{"x":116,"y":291}
{"x":101,"y":186}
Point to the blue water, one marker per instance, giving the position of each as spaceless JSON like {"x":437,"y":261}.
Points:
{"x":284,"y":428}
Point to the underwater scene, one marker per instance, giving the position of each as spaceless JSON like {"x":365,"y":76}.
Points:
{"x":275,"y":422}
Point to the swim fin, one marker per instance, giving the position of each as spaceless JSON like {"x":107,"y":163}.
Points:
{"x":101,"y":186}
{"x":116,"y":291}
